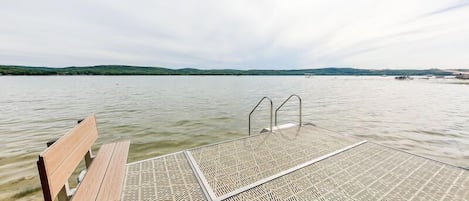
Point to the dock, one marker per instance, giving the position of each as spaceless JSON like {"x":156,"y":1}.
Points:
{"x":294,"y":163}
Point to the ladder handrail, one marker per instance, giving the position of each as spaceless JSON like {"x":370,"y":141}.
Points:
{"x":299,"y":98}
{"x":271,"y":109}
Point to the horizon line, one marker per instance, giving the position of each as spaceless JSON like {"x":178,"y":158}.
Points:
{"x":179,"y":68}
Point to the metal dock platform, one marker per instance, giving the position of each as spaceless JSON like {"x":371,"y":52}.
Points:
{"x":294,"y":163}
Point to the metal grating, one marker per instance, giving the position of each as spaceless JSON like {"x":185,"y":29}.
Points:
{"x":367,"y":172}
{"x":165,"y":178}
{"x":234,"y":164}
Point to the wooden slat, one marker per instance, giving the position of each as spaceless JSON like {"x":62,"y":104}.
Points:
{"x":58,"y":178}
{"x":60,"y":150}
{"x":89,"y":187}
{"x":112,"y":183}
{"x":62,"y":158}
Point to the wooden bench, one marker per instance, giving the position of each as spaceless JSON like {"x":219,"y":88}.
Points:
{"x":105,"y":172}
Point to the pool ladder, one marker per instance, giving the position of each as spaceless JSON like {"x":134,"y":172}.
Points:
{"x":276,"y":110}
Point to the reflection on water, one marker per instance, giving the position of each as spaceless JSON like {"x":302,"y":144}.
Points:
{"x":163,"y":114}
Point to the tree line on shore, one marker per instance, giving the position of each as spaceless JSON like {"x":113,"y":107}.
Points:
{"x":140,"y":70}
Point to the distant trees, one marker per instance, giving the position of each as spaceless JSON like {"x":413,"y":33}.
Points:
{"x":138,"y":70}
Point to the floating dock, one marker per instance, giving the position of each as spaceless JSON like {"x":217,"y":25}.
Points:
{"x":294,"y":163}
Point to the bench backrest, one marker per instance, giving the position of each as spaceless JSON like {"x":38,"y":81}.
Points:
{"x":57,"y":163}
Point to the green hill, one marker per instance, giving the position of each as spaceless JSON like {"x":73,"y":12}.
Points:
{"x":140,"y":70}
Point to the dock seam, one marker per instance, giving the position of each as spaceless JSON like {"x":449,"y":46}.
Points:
{"x":208,"y":191}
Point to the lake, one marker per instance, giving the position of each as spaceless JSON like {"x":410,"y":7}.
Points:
{"x":164,"y":114}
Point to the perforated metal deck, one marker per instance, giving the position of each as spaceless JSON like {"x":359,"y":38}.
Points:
{"x":294,"y":164}
{"x":164,"y":178}
{"x":368,"y":172}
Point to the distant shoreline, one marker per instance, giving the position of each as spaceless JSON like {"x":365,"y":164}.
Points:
{"x":118,"y":70}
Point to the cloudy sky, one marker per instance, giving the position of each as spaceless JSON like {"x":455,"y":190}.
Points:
{"x":241,"y":34}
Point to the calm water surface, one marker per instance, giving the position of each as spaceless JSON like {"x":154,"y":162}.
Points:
{"x":163,"y":114}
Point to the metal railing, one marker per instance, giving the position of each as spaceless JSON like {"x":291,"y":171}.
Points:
{"x":271,"y":109}
{"x":299,"y":98}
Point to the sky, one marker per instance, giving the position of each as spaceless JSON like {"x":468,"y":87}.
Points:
{"x":236,"y":34}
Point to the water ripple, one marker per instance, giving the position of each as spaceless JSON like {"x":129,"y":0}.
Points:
{"x":164,"y":114}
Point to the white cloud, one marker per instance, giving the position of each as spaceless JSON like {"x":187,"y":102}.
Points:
{"x":236,"y":34}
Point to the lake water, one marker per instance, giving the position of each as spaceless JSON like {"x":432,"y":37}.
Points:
{"x":163,"y":114}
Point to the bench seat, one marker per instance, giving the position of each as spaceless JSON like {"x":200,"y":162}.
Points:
{"x":104,"y":178}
